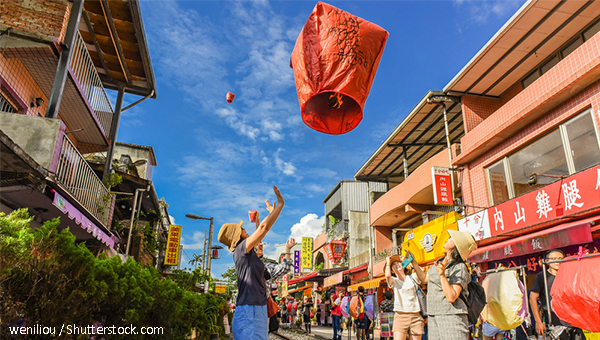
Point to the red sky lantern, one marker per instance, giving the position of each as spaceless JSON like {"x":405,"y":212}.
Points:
{"x":230,"y":97}
{"x":335,"y":60}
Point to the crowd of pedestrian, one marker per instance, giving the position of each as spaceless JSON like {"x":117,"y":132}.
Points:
{"x":442,"y":314}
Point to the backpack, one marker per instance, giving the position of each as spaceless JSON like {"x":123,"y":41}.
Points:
{"x":475,"y":301}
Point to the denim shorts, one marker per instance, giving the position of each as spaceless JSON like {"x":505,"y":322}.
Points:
{"x":491,"y":330}
{"x":250,"y":322}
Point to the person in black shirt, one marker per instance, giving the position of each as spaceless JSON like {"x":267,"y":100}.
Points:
{"x":538,"y":291}
{"x":306,"y":313}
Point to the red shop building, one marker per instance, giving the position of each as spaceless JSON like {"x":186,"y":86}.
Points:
{"x":530,"y":158}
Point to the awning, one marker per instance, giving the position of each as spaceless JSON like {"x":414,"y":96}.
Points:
{"x":73,"y":213}
{"x":557,"y":237}
{"x":299,"y":289}
{"x":303,"y":278}
{"x":356,"y":269}
{"x":333,"y":279}
{"x":367,"y":284}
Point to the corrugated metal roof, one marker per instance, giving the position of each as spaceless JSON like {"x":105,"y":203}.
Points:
{"x":421,"y":134}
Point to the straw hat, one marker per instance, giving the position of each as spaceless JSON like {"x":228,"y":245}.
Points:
{"x":464,"y":242}
{"x":230,"y":234}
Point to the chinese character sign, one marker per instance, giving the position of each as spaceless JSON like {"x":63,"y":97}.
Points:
{"x":442,"y":186}
{"x":296,"y":263}
{"x":172,"y":252}
{"x":564,"y":197}
{"x":477,"y":224}
{"x":284,"y":285}
{"x":307,"y":248}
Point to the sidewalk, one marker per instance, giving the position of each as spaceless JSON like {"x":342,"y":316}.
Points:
{"x":327,"y":332}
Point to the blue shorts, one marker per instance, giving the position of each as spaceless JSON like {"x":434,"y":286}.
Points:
{"x":490,"y":330}
{"x":250,"y":322}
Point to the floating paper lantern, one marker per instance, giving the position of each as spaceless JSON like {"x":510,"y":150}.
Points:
{"x":230,"y":97}
{"x":335,"y":60}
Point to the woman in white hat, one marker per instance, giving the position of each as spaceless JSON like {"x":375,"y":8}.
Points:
{"x":250,"y":320}
{"x":445,"y":281}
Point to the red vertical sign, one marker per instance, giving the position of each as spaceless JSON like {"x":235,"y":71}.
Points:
{"x":442,"y":186}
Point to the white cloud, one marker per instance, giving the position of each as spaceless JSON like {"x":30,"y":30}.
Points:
{"x":286,"y":168}
{"x":480,"y":11}
{"x":309,"y":226}
{"x":197,"y":241}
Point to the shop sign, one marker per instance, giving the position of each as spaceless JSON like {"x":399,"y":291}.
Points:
{"x":533,"y":261}
{"x":442,"y":186}
{"x":284,"y":286}
{"x":172,"y":252}
{"x":296,"y":264}
{"x":536,"y":242}
{"x":335,"y":250}
{"x":477,"y":224}
{"x":564,"y":197}
{"x":220,"y":289}
{"x":333,"y":279}
{"x":427,"y":241}
{"x":307,"y":250}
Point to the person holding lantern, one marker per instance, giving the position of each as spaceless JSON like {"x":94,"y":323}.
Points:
{"x":250,"y":320}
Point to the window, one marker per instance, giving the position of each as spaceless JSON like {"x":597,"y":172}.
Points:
{"x":531,"y":78}
{"x":550,"y":64}
{"x":497,"y":182}
{"x":572,"y":47}
{"x":571,"y":148}
{"x":546,"y":156}
{"x":591,"y":31}
{"x":6,"y":106}
{"x":583,"y":141}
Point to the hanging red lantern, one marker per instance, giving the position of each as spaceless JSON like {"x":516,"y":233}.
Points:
{"x":335,"y":60}
{"x":230,"y":97}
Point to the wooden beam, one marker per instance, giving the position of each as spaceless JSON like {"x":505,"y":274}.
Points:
{"x":98,"y":49}
{"x":115,"y":39}
{"x":416,"y":208}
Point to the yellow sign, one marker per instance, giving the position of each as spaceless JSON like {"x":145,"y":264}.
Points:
{"x":307,"y":248}
{"x":172,"y":253}
{"x":220,"y":289}
{"x":427,"y":241}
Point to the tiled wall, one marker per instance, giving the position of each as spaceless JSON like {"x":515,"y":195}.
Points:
{"x":474,"y":187}
{"x":22,"y":84}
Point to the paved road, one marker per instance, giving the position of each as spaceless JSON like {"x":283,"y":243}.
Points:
{"x":327,"y":332}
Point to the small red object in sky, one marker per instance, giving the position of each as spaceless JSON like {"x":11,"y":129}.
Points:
{"x":230,"y":97}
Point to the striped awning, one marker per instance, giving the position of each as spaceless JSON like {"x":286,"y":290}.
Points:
{"x":299,"y":289}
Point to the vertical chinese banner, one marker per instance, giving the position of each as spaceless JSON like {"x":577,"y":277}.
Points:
{"x":296,"y":263}
{"x":172,"y":252}
{"x":284,"y":286}
{"x":442,"y":186}
{"x":307,"y":248}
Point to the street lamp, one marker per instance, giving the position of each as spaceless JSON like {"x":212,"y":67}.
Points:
{"x":195,"y":217}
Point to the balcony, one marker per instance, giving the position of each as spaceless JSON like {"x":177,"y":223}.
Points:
{"x":397,"y":204}
{"x":29,"y":69}
{"x":45,"y":141}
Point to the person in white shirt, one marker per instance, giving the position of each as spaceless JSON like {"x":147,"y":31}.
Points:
{"x":408,"y":323}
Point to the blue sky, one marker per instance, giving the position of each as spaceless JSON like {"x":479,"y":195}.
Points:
{"x":219,"y":159}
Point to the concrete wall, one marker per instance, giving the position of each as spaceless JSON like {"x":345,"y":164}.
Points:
{"x":136,"y":154}
{"x":358,"y":242}
{"x":37,"y":136}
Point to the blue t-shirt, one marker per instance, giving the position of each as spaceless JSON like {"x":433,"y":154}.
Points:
{"x":252,"y":289}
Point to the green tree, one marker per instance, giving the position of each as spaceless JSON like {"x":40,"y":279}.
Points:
{"x":48,"y":279}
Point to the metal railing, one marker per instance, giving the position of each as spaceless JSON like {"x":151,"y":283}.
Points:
{"x":76,"y":175}
{"x":90,"y":84}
